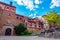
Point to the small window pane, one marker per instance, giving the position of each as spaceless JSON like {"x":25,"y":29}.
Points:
{"x":9,"y":14}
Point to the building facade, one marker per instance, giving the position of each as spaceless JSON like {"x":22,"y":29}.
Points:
{"x":9,"y":19}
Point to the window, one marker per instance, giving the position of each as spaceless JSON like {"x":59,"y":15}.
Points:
{"x":20,"y":18}
{"x":30,"y":24}
{"x":26,"y":24}
{"x":17,"y":17}
{"x":7,"y":7}
{"x":35,"y":25}
{"x":9,"y":14}
{"x":24,"y":20}
{"x":39,"y":26}
{"x":13,"y":9}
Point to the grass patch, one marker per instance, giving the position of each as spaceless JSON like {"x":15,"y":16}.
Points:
{"x":24,"y":35}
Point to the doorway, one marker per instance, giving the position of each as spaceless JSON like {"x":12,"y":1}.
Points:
{"x":8,"y":32}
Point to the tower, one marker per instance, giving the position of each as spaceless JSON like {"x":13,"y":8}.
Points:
{"x":7,"y":18}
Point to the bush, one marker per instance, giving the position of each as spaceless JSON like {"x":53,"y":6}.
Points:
{"x":21,"y":30}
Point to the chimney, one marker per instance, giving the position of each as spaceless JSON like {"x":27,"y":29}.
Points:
{"x":11,"y":3}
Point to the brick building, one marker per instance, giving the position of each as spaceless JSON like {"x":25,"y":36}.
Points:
{"x":9,"y":19}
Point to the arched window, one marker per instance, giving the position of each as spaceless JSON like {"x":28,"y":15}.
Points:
{"x":8,"y":32}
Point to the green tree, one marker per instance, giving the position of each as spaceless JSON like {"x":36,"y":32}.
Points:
{"x":58,"y":21}
{"x":52,"y":16}
{"x":21,"y":29}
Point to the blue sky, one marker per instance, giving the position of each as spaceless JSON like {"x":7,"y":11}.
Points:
{"x":34,"y":8}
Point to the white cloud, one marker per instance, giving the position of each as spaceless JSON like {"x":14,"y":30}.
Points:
{"x":30,"y":15}
{"x":40,"y":2}
{"x":34,"y":14}
{"x":19,"y":2}
{"x":39,"y":17}
{"x":55,"y":3}
{"x":36,"y":1}
{"x":28,"y":3}
{"x":33,"y":17}
{"x":36,"y":6}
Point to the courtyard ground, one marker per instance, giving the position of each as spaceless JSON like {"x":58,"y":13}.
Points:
{"x":25,"y":38}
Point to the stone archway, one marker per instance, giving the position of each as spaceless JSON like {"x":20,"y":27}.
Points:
{"x":8,"y":32}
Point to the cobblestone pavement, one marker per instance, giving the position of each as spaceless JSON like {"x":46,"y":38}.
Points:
{"x":25,"y":38}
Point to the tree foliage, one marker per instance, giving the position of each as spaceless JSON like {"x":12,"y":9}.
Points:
{"x":52,"y":16}
{"x":21,"y":29}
